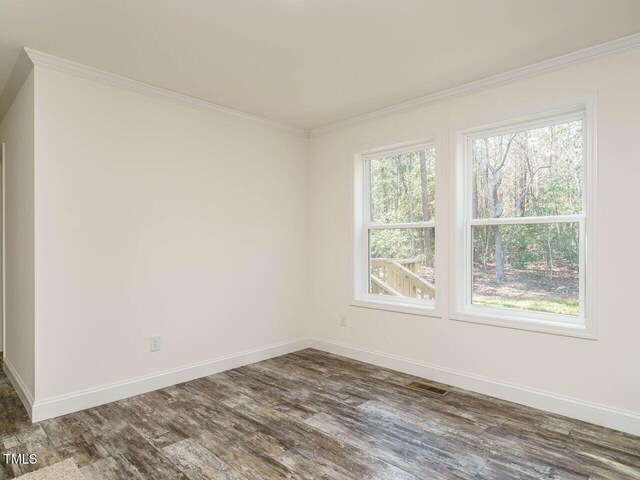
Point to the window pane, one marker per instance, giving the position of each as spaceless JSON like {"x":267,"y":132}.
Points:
{"x":527,"y":267}
{"x":536,"y":172}
{"x":403,"y":187}
{"x":401,"y":262}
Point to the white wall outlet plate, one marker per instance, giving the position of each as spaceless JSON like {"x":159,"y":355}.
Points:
{"x":343,"y":320}
{"x":156,"y":343}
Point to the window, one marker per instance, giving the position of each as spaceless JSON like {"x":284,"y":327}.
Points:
{"x":524,"y":219}
{"x":396,"y":246}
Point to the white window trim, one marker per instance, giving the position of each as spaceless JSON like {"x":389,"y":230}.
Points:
{"x":362,"y":225}
{"x":583,"y":326}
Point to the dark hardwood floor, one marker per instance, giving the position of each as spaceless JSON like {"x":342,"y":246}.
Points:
{"x":314,"y":415}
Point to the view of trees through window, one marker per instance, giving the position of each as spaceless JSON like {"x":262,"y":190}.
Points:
{"x":532,"y":264}
{"x":402,"y":233}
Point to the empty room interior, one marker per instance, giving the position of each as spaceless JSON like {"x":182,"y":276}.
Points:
{"x":319,"y":239}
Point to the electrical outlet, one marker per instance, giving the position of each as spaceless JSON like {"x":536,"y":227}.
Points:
{"x":343,"y":320}
{"x":156,"y":343}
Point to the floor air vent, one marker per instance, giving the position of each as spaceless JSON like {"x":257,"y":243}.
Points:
{"x":425,"y":387}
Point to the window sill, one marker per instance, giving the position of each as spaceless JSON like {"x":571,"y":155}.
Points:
{"x":549,"y":326}
{"x":427,"y":310}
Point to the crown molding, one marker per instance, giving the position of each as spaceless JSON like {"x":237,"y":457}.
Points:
{"x":29,"y":57}
{"x":579,"y":56}
{"x":52,"y":62}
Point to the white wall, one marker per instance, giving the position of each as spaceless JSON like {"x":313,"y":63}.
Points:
{"x":17,"y":131}
{"x":158,"y":218}
{"x":604,"y":371}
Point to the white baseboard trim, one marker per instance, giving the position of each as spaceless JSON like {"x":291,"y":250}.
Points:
{"x":62,"y":405}
{"x":26,"y":397}
{"x":617,"y":419}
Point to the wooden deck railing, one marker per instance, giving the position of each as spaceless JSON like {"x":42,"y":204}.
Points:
{"x":399,"y":278}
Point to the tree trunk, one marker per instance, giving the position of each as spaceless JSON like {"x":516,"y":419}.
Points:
{"x":507,"y":248}
{"x":425,"y":207}
{"x":500,"y":276}
{"x":549,"y":254}
{"x":486,"y":253}
{"x":492,"y":195}
{"x":410,"y":203}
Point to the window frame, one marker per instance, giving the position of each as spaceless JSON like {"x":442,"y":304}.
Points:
{"x":363,"y":225}
{"x":463,"y":309}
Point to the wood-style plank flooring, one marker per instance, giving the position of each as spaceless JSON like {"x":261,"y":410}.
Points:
{"x":312,"y":415}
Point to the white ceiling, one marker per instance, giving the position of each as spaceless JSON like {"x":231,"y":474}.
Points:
{"x":308,"y":62}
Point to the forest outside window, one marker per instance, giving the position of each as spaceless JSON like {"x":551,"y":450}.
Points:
{"x":397,"y":251}
{"x":525,"y":221}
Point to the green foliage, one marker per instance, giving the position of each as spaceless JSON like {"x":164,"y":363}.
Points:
{"x":401,"y":243}
{"x":396,"y":188}
{"x":403,"y":191}
{"x":530,"y":173}
{"x":527,"y":244}
{"x":535,"y":172}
